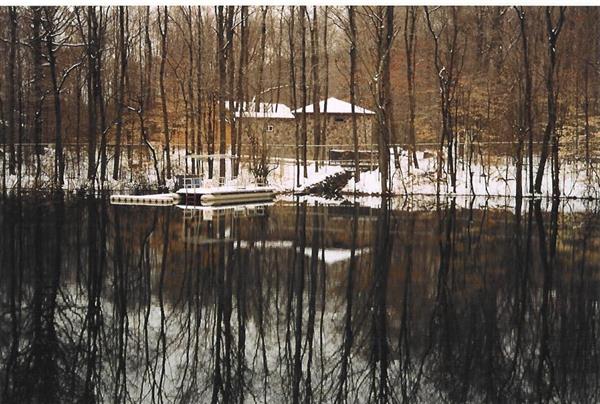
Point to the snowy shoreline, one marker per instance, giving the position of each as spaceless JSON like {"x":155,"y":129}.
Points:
{"x":490,"y":179}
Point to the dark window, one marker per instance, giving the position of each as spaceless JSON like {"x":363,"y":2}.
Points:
{"x":339,"y":119}
{"x":269,"y":128}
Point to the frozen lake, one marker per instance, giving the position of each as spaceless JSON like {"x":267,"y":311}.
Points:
{"x":428,"y":301}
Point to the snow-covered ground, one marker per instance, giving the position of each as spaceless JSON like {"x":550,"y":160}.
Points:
{"x":496,"y":178}
{"x":488,"y":177}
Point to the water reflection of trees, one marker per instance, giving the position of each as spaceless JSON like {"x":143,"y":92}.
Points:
{"x":457,"y":304}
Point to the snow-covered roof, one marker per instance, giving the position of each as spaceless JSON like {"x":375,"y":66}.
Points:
{"x":335,"y":106}
{"x":266,"y":110}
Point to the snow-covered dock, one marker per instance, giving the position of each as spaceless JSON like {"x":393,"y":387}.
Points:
{"x":148,"y":200}
{"x":224,"y":195}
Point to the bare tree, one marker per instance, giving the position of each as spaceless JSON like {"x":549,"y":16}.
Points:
{"x":586,"y":112}
{"x":293,"y":94}
{"x":326,"y":74}
{"x":241,"y":94}
{"x":303,"y":129}
{"x":553,"y":31}
{"x":95,"y":102}
{"x":38,"y":95}
{"x":163,"y":30}
{"x":149,"y":101}
{"x":49,"y":22}
{"x":98,"y":31}
{"x":383,"y":20}
{"x":410,"y":46}
{"x":447,"y":67}
{"x":261,"y":67}
{"x":199,"y":76}
{"x":316,"y":88}
{"x":190,"y":115}
{"x":10,"y":86}
{"x":143,"y":97}
{"x":527,"y":111}
{"x":221,"y":60}
{"x":353,"y":39}
{"x":122,"y":47}
{"x":230,"y":67}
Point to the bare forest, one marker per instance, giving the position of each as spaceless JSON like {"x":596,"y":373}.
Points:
{"x":98,"y":97}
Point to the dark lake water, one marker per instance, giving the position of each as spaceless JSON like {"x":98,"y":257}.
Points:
{"x":299,"y":302}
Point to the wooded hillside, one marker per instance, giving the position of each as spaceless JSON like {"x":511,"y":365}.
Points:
{"x":102,"y":77}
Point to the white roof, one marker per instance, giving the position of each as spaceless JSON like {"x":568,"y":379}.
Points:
{"x":265,"y":110}
{"x":335,"y":106}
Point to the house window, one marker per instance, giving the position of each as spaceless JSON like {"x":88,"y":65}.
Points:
{"x":269,"y":128}
{"x":339,"y":119}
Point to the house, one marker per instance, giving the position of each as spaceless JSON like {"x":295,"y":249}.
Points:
{"x":272,"y":123}
{"x":275,"y":124}
{"x":337,"y":116}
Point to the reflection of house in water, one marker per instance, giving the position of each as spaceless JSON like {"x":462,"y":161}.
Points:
{"x":196,"y":220}
{"x":250,"y":226}
{"x":329,"y":256}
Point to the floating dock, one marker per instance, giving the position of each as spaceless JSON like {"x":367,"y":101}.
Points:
{"x":146,"y":200}
{"x":202,"y":196}
{"x":226,"y":195}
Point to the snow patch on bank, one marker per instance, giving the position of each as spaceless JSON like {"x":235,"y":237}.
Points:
{"x":488,"y":176}
{"x":495,"y":178}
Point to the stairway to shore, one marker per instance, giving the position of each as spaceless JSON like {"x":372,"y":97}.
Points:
{"x":331,"y":186}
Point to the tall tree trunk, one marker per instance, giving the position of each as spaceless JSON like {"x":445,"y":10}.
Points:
{"x":391,"y":121}
{"x":448,"y":81}
{"x":261,"y":67}
{"x":241,"y":96}
{"x":190,"y":88}
{"x":326,"y":74}
{"x":586,"y":112}
{"x":59,"y":162}
{"x":528,"y":94}
{"x":279,"y":59}
{"x":149,"y":101}
{"x":352,"y":21}
{"x":410,"y":44}
{"x":527,"y":111}
{"x":4,"y":142}
{"x":78,"y":120}
{"x":230,"y":62}
{"x":293,"y":94}
{"x":98,"y":39}
{"x":122,"y":48}
{"x":210,"y":120}
{"x":550,"y":132}
{"x":10,"y":87}
{"x":303,"y":129}
{"x":163,"y":29}
{"x":145,"y":91}
{"x":199,"y":82}
{"x":221,"y":62}
{"x":383,"y":91}
{"x":314,"y":45}
{"x":21,"y":123}
{"x":37,"y":93}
